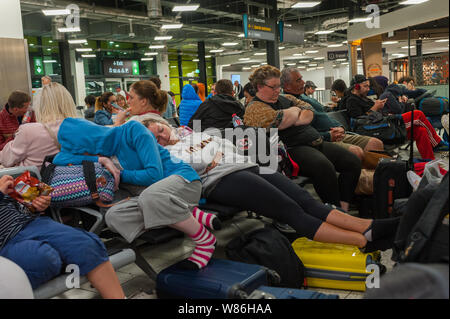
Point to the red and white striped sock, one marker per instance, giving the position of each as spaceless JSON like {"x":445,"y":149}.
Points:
{"x":209,"y":220}
{"x":205,"y":246}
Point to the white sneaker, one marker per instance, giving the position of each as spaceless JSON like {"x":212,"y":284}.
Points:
{"x":413,"y":179}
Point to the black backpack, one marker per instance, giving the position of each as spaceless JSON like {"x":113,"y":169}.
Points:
{"x":390,"y":129}
{"x":422,"y":235}
{"x":267,"y":247}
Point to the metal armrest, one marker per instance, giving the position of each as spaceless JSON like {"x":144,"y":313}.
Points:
{"x":98,"y":225}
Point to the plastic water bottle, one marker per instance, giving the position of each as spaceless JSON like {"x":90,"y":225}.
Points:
{"x":237,"y":121}
{"x":27,"y":116}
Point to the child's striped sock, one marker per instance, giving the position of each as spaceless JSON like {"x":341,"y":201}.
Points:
{"x":205,"y":245}
{"x":209,"y":220}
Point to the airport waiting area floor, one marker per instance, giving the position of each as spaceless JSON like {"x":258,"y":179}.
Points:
{"x":138,"y":285}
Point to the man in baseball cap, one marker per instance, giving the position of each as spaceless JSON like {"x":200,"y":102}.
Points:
{"x":310,"y":88}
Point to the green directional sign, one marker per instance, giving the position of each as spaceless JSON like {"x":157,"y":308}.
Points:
{"x":135,"y":66}
{"x":38,"y":66}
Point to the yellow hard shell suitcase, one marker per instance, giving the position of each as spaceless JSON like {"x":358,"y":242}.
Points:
{"x":334,"y":266}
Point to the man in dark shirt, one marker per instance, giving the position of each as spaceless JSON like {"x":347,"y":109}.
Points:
{"x":316,"y":158}
{"x":357,"y":103}
{"x":330,"y":129}
{"x":218,"y":110}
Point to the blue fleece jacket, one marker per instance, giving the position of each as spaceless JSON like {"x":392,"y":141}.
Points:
{"x":144,"y":161}
{"x":189,"y":104}
{"x":103,"y":117}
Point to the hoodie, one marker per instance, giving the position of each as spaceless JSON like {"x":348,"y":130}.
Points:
{"x":392,"y":93}
{"x":189,"y":104}
{"x":217,"y":112}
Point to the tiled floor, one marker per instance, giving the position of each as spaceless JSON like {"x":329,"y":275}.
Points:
{"x":137,"y":285}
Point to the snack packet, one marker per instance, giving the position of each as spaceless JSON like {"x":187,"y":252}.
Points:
{"x":27,"y":188}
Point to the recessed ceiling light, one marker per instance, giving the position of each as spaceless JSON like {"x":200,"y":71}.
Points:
{"x":56,"y":12}
{"x":281,"y":48}
{"x":305,"y":4}
{"x":229,"y":44}
{"x":408,"y":2}
{"x":442,"y":40}
{"x":290,"y":63}
{"x":151,"y":53}
{"x":319,"y":58}
{"x":83,"y":49}
{"x":389,"y":42}
{"x":356,"y":20}
{"x":75,"y":29}
{"x":241,"y":35}
{"x":412,"y":47}
{"x":225,"y":65}
{"x":312,"y":64}
{"x":88,"y":56}
{"x":156,"y":46}
{"x":246,"y":68}
{"x":298,"y":54}
{"x":195,"y":60}
{"x":398,"y":54}
{"x":50,"y":61}
{"x":341,"y":60}
{"x":77,"y":41}
{"x":207,"y":56}
{"x":312,"y":51}
{"x":324,"y":32}
{"x":146,"y":59}
{"x":255,"y":66}
{"x":216,"y":51}
{"x":191,"y":7}
{"x":172,"y":26}
{"x":335,"y":45}
{"x":244,"y":59}
{"x":319,"y":68}
{"x":311,"y":69}
{"x":260,"y":53}
{"x":303,"y":61}
{"x":163,"y":37}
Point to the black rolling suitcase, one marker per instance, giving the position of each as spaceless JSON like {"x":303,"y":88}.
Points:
{"x":390,"y":181}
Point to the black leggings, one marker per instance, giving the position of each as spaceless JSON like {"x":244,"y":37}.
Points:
{"x":274,"y":196}
{"x":320,"y":163}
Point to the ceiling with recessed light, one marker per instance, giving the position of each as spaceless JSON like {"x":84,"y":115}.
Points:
{"x":218,"y":23}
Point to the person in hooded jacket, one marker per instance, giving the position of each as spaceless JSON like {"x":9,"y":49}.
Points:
{"x":218,"y":110}
{"x":397,"y":95}
{"x":189,"y":104}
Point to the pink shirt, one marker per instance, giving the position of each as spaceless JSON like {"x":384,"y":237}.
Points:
{"x":31,"y":144}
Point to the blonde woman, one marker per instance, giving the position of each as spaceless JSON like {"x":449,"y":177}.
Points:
{"x":34,"y":141}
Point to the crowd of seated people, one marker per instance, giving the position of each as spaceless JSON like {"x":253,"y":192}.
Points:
{"x":160,"y":174}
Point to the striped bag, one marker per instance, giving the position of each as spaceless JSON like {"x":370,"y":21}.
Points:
{"x":78,"y":185}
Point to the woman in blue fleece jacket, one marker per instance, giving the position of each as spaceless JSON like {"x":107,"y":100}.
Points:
{"x":189,"y":104}
{"x":174,"y":188}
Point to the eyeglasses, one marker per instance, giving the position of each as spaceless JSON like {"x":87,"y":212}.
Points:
{"x":277,"y":87}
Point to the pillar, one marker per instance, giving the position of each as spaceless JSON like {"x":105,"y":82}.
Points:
{"x":14,"y":59}
{"x":162,"y":69}
{"x":372,"y":54}
{"x":77,"y":66}
{"x":273,"y":55}
{"x":202,"y":63}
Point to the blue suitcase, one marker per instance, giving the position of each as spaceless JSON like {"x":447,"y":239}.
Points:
{"x":265,"y":292}
{"x":221,"y":279}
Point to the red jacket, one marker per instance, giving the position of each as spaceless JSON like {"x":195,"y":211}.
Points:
{"x":8,"y":126}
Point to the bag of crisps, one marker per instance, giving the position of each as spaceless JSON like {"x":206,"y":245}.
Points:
{"x":27,"y":188}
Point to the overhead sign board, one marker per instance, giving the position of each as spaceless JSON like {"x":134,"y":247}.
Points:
{"x":120,"y":67}
{"x":335,"y":55}
{"x":291,"y":32}
{"x":259,"y":28}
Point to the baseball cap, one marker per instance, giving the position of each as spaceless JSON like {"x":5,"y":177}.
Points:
{"x":358,"y":79}
{"x":310,"y":84}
